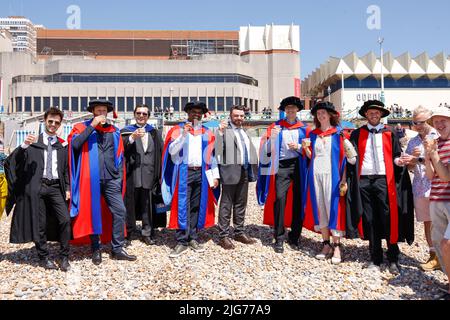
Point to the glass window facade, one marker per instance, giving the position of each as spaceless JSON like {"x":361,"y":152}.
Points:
{"x":211,"y":103}
{"x":166,"y":102}
{"x":229,"y":103}
{"x":184,"y":101}
{"x":390,"y":83}
{"x":19,"y":104}
{"x":130,"y":104}
{"x":75,"y":105}
{"x":56,"y":102}
{"x":120,"y":104}
{"x":46,"y":103}
{"x":37,"y":104}
{"x":65,"y":103}
{"x":83,"y":103}
{"x":138,"y":78}
{"x":27,"y":104}
{"x":220,"y":104}
{"x":157,"y":102}
{"x":176,"y":103}
{"x":149,"y":102}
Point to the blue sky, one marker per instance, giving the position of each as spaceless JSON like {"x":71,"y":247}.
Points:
{"x":327,"y":28}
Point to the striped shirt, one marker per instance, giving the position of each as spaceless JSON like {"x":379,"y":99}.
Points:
{"x":440,"y":191}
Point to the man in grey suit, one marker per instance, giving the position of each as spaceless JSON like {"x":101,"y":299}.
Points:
{"x":237,"y":160}
{"x":143,"y":149}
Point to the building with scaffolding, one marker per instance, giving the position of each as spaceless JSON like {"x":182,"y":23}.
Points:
{"x":255,"y":66}
{"x":409,"y":82}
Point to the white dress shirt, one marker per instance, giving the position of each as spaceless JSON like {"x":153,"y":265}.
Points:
{"x":192,"y":146}
{"x":289,"y":136}
{"x":368,"y":165}
{"x":246,"y":141}
{"x":54,"y":155}
{"x":144,"y":139}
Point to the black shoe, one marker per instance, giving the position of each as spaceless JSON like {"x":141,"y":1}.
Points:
{"x":278,"y":247}
{"x":123,"y":255}
{"x":293,"y":244}
{"x":197,"y":247}
{"x":445,"y":296}
{"x":148,"y":241}
{"x":178,"y":250}
{"x":394,"y":268}
{"x":96,"y":257}
{"x":64,"y":264}
{"x":48,"y":264}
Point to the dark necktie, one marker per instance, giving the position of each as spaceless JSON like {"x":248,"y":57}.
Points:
{"x":244,"y":148}
{"x":49,"y":159}
{"x":374,"y":150}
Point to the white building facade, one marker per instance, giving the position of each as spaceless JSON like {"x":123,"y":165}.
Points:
{"x":408,"y":82}
{"x":23,"y":33}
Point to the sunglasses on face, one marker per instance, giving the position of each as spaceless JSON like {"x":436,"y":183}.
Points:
{"x":142,"y":114}
{"x":55,"y":122}
{"x":418,"y":122}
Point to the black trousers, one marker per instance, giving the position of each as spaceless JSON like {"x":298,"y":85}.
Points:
{"x":288,"y":171}
{"x":376,"y":217}
{"x":234,"y":197}
{"x":112,"y":191}
{"x":193,"y":199}
{"x":52,"y":200}
{"x":142,"y":207}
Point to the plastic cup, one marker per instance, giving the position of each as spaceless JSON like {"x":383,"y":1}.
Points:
{"x":306,"y":142}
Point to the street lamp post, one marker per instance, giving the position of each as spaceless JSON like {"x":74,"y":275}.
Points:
{"x":329,"y":94}
{"x":380,"y":41}
{"x":342,"y":91}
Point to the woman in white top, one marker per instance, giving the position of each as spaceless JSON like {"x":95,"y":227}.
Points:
{"x":326,"y":187}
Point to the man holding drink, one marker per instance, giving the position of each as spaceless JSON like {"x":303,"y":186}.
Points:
{"x":38,"y":174}
{"x":437,"y":162}
{"x":143,"y":149}
{"x":282,"y":172}
{"x":96,"y":171}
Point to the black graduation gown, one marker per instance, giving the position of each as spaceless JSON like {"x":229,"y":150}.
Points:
{"x":403,"y":186}
{"x":24,"y":170}
{"x":160,"y":219}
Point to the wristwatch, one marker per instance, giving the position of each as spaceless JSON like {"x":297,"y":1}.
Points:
{"x":421,"y":160}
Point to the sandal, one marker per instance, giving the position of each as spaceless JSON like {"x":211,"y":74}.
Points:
{"x":323,"y":255}
{"x":336,"y":259}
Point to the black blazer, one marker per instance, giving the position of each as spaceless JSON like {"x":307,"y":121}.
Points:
{"x":24,"y":170}
{"x":229,"y":157}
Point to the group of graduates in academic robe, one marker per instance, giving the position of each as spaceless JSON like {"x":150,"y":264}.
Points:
{"x":341,"y":186}
{"x":89,"y":190}
{"x":304,"y":178}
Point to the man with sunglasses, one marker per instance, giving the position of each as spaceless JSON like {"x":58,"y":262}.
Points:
{"x":421,"y":184}
{"x":38,"y":174}
{"x":143,"y":148}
